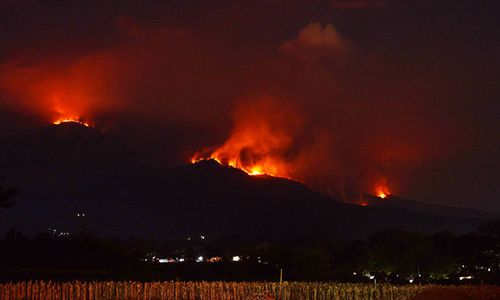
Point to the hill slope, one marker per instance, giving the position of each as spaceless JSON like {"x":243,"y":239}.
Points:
{"x":68,"y":170}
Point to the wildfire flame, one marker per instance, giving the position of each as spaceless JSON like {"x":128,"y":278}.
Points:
{"x":260,"y":141}
{"x":71,"y":120}
{"x":382,"y":191}
{"x":259,"y":167}
{"x":267,"y":139}
{"x":382,"y":195}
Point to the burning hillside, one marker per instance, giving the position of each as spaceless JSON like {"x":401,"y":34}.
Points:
{"x":270,"y":138}
{"x":71,"y":120}
{"x":260,"y":142}
{"x":381,"y":189}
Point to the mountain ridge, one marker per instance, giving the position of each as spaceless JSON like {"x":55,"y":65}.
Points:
{"x":67,"y":170}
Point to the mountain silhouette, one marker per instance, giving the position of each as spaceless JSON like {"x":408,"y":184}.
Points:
{"x":73,"y":178}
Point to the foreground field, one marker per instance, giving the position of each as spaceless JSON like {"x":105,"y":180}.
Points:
{"x":238,"y":290}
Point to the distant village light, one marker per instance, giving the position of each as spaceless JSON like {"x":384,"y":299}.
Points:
{"x":214,"y":259}
{"x":236,"y":258}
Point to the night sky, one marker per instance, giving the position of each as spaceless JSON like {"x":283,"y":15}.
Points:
{"x":356,"y":91}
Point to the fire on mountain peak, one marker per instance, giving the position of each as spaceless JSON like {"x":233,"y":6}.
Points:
{"x":270,"y":137}
{"x":382,"y":190}
{"x":261,"y":140}
{"x":71,"y":120}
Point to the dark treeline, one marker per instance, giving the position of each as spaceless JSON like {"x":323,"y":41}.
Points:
{"x":390,"y":255}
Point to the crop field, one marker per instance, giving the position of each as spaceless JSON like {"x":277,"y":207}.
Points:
{"x":237,"y":290}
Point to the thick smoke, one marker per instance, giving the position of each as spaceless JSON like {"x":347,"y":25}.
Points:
{"x":349,"y":114}
{"x":171,"y":75}
{"x":270,"y":136}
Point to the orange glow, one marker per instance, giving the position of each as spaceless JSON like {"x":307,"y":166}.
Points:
{"x":382,"y":191}
{"x":260,"y":141}
{"x":71,"y":120}
{"x":256,"y":170}
{"x":268,"y":139}
{"x":382,"y":195}
{"x":264,"y":167}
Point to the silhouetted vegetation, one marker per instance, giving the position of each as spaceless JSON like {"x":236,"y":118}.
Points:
{"x":386,"y":256}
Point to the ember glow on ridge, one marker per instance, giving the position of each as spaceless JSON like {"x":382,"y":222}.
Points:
{"x":71,"y":120}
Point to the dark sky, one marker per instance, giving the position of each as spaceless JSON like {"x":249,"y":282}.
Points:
{"x":362,"y":90}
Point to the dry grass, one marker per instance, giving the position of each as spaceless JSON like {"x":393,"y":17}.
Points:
{"x":237,"y":290}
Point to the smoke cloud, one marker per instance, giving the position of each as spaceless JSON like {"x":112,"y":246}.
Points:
{"x":345,"y":102}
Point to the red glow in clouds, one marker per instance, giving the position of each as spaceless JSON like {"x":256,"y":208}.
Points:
{"x":71,"y":120}
{"x":270,"y":138}
{"x":262,"y":136}
{"x":64,"y":117}
{"x":382,"y":190}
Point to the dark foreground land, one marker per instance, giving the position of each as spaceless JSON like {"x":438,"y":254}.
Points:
{"x":389,"y":256}
{"x":238,"y":290}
